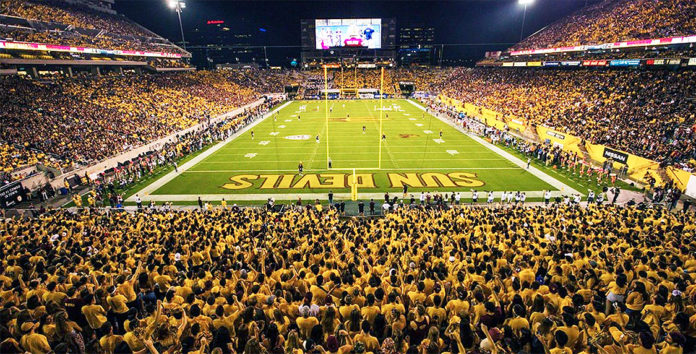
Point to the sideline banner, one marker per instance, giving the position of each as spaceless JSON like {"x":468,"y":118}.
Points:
{"x":638,"y":167}
{"x":565,"y":141}
{"x":682,"y":179}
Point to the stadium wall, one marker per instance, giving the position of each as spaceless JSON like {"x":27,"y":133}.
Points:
{"x":639,"y":167}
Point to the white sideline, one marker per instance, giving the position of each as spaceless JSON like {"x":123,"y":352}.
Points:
{"x":564,"y":188}
{"x":147,"y":191}
{"x":308,"y":197}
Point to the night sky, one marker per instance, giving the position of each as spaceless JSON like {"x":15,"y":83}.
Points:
{"x":467,"y":28}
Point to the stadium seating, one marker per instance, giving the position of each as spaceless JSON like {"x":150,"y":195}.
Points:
{"x":464,"y":279}
{"x":62,"y":23}
{"x":647,"y":113}
{"x":617,"y":20}
{"x":85,"y":119}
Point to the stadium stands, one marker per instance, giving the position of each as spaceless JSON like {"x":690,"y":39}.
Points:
{"x":74,"y":24}
{"x":647,"y":113}
{"x":459,"y":280}
{"x":85,"y":119}
{"x":617,"y":20}
{"x":433,"y":278}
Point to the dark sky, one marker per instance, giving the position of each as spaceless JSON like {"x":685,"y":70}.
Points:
{"x":467,"y":28}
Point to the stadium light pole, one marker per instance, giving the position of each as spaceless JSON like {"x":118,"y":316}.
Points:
{"x":524,"y":15}
{"x":178,"y":5}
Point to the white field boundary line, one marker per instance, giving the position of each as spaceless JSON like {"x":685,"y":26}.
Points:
{"x":362,"y":169}
{"x":352,"y":160}
{"x":147,"y":190}
{"x":523,"y":165}
{"x":309,"y":197}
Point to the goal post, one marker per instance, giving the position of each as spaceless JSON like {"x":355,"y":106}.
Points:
{"x":333,"y":165}
{"x":326,"y":113}
{"x":381,"y":112}
{"x":354,"y":188}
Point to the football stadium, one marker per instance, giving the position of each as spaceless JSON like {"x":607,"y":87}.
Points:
{"x":190,"y":176}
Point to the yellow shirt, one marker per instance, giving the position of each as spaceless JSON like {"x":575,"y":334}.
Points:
{"x":35,"y":343}
{"x":108,"y":343}
{"x":95,"y":315}
{"x":117,"y":303}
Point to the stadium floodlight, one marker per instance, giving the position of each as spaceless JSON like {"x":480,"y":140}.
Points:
{"x":178,"y":5}
{"x":525,"y":3}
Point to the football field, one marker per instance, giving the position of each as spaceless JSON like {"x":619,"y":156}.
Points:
{"x":339,"y":141}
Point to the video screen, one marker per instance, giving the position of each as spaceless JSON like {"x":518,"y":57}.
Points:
{"x":356,"y":32}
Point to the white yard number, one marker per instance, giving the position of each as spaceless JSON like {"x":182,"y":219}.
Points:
{"x":250,"y":155}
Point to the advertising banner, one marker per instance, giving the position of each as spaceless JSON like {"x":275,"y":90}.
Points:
{"x":594,"y":63}
{"x":615,"y":155}
{"x":625,"y":62}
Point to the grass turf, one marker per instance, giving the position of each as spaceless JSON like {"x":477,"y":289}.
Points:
{"x":413,"y":151}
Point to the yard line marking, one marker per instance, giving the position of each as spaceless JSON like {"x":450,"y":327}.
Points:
{"x":250,"y":155}
{"x":428,"y":131}
{"x":264,"y":143}
{"x":360,"y":146}
{"x":452,"y":152}
{"x":352,"y":160}
{"x":274,"y":133}
{"x":352,"y":152}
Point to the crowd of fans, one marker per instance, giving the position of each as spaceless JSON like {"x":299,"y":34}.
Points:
{"x":647,"y":113}
{"x":84,"y":119}
{"x":56,"y":11}
{"x":561,"y":279}
{"x":617,"y":20}
{"x":81,"y":26}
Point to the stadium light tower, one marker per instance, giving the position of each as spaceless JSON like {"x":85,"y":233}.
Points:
{"x":178,"y":5}
{"x":524,"y":14}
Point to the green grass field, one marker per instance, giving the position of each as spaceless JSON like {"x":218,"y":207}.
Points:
{"x":412,"y":154}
